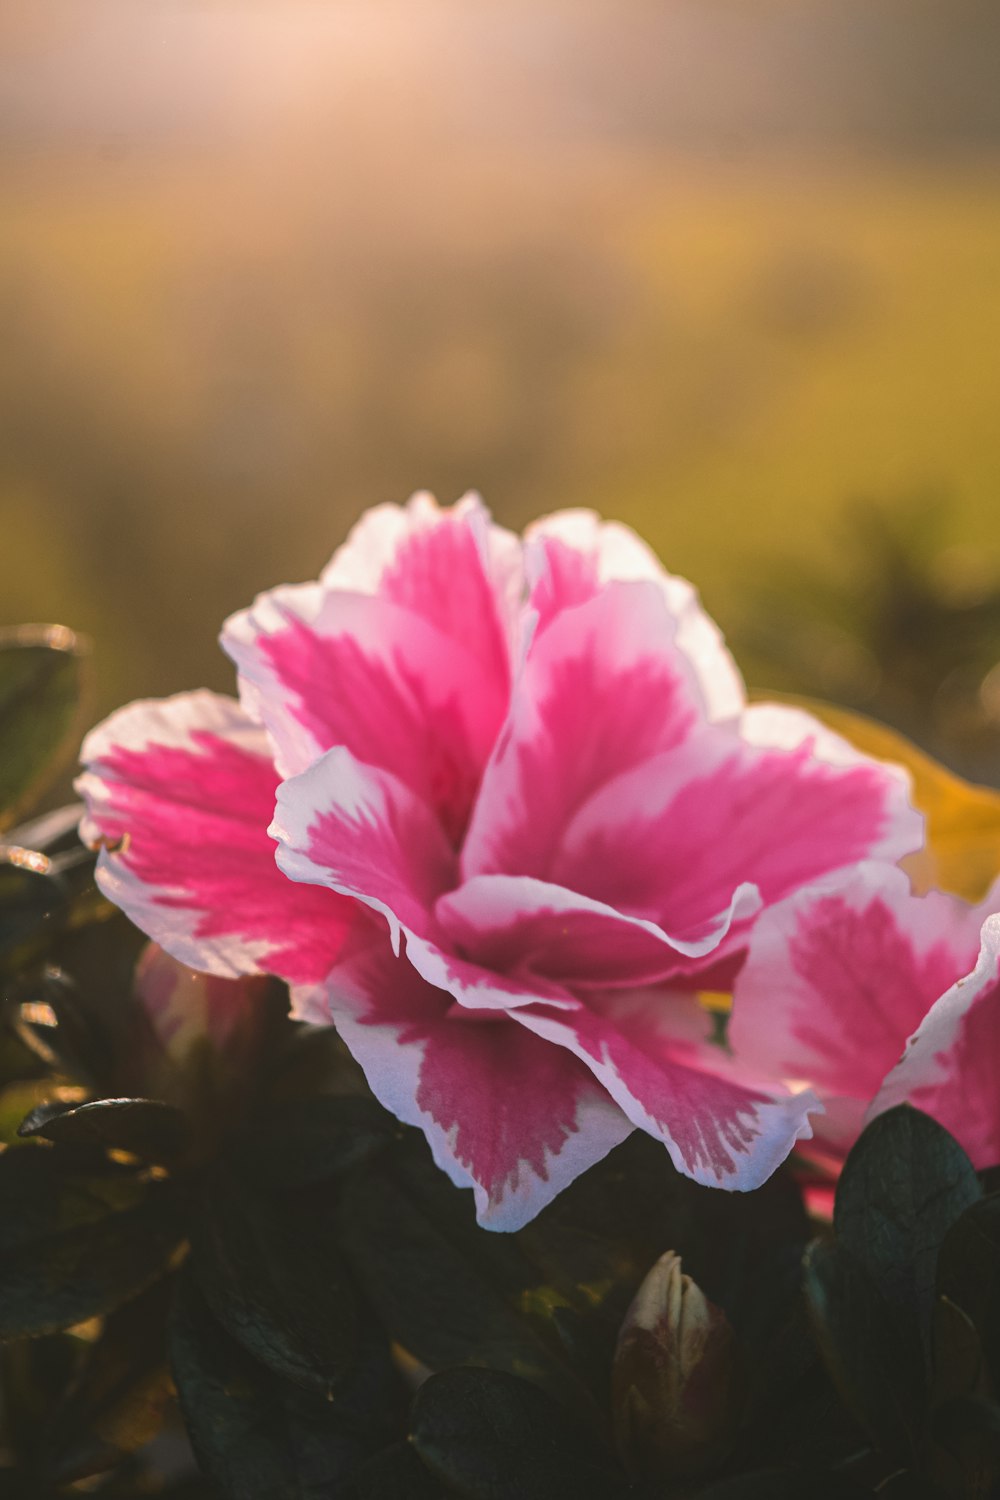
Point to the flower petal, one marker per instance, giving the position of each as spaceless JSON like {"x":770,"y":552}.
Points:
{"x":949,"y":1067}
{"x":325,"y":668}
{"x":571,"y":555}
{"x":186,"y":788}
{"x":451,"y":566}
{"x":671,"y":839}
{"x":361,"y":832}
{"x":840,"y":973}
{"x":601,"y":690}
{"x":504,"y":1113}
{"x":515,"y":925}
{"x":718,"y":1128}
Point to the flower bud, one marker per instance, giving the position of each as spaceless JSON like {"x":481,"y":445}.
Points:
{"x":207,"y":1032}
{"x":674,"y":1386}
{"x":186,"y":1007}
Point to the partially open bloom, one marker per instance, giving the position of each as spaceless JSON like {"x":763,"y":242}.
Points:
{"x":520,"y":799}
{"x":878,"y":997}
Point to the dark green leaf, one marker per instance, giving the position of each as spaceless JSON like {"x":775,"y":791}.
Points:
{"x":904,"y":1184}
{"x":448,"y":1291}
{"x":491,"y":1436}
{"x":272,"y":1273}
{"x":965,"y":1458}
{"x":312,"y":1140}
{"x":101,"y":1034}
{"x":784,"y":1484}
{"x":969,"y":1274}
{"x":75,"y":1243}
{"x":41,"y":685}
{"x":35,"y":1375}
{"x":873,"y":1356}
{"x":959,"y":1364}
{"x":119,"y":1397}
{"x":394,"y":1474}
{"x":258,"y":1437}
{"x":148,"y":1128}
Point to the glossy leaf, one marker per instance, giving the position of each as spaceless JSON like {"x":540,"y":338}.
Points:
{"x":873,"y":1356}
{"x":41,"y":687}
{"x":491,"y":1436}
{"x":969,"y":1274}
{"x":785,"y":1484}
{"x":261,"y":1438}
{"x":271,"y":1271}
{"x":148,"y":1128}
{"x":394,"y":1474}
{"x":448,"y":1291}
{"x":119,"y":1398}
{"x":307,"y":1141}
{"x":903,"y":1186}
{"x":75,"y":1242}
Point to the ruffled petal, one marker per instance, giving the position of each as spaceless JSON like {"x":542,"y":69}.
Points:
{"x":515,"y":925}
{"x":362,"y":832}
{"x":949,"y":1067}
{"x":718,"y":1127}
{"x":839,"y":975}
{"x":180,"y":792}
{"x":324,"y":668}
{"x":505,"y":1113}
{"x":571,"y":555}
{"x":601,"y":690}
{"x":671,"y":839}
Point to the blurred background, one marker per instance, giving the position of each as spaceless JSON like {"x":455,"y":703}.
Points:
{"x":726,"y":269}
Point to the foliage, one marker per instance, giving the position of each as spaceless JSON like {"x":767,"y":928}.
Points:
{"x":271,"y":1291}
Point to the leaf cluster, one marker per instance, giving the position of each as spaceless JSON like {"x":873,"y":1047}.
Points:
{"x":264,"y":1288}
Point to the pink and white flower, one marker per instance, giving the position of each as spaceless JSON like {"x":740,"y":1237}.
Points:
{"x":520,"y":801}
{"x":877,"y":997}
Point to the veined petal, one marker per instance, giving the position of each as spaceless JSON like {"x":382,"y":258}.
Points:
{"x":672,"y":838}
{"x":361,"y":832}
{"x":601,"y":690}
{"x":180,"y":792}
{"x":840,"y":973}
{"x":451,"y":566}
{"x":519,"y":926}
{"x":571,"y":555}
{"x":324,"y":668}
{"x":949,"y":1067}
{"x":718,"y":1128}
{"x":504,"y":1113}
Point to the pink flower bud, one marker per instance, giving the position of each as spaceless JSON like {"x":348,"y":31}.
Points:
{"x":187,"y":1008}
{"x":674,"y":1386}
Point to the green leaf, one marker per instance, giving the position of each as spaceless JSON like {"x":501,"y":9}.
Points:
{"x":872,"y":1354}
{"x":119,"y":1398}
{"x":41,"y":689}
{"x":96,"y":1030}
{"x":308,"y":1141}
{"x":394,"y":1474}
{"x":969,"y":1274}
{"x":785,"y":1484}
{"x":258,"y":1437}
{"x":148,"y":1128}
{"x":272,"y":1273}
{"x":76,"y":1242}
{"x":448,"y":1291}
{"x":491,"y":1436}
{"x":903,"y":1186}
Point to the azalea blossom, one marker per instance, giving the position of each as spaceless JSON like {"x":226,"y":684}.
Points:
{"x":520,"y":805}
{"x":878,"y":997}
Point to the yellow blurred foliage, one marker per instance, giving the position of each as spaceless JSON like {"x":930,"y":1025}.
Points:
{"x":963,"y":820}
